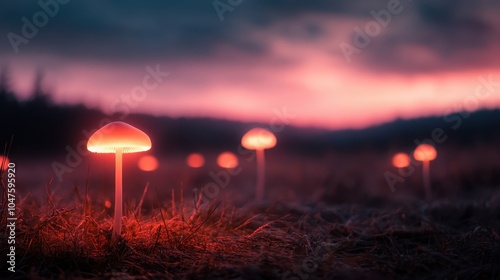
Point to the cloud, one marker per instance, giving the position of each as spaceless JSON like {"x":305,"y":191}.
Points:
{"x":438,"y":36}
{"x":429,"y":35}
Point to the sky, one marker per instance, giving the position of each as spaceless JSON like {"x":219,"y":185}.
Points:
{"x":329,"y":64}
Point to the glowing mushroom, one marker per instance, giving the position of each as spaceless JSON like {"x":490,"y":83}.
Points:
{"x":107,"y":204}
{"x":118,"y":138}
{"x":425,"y":153}
{"x":401,"y":160}
{"x":259,"y":139}
{"x":4,"y":162}
{"x":148,"y":163}
{"x":227,"y":160}
{"x":195,"y":160}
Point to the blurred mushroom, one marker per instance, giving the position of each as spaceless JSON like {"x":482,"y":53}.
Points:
{"x":227,"y":160}
{"x":148,"y":163}
{"x":259,"y":139}
{"x":426,"y":153}
{"x":401,"y":160}
{"x":195,"y":160}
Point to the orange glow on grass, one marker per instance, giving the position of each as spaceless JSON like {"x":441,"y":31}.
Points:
{"x":227,"y":160}
{"x":148,"y":163}
{"x":195,"y":160}
{"x":4,"y":162}
{"x":401,"y":160}
{"x":258,"y":139}
{"x":425,"y":152}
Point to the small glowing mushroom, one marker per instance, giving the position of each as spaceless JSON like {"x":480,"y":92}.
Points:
{"x":195,"y":160}
{"x":107,"y":204}
{"x":425,"y":153}
{"x":148,"y":163}
{"x":118,"y":138}
{"x":401,"y":160}
{"x":259,"y":139}
{"x":4,"y":162}
{"x":227,"y":160}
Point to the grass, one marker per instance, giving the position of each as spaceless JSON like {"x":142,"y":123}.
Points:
{"x":279,"y":240}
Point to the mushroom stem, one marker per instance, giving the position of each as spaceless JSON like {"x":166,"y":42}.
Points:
{"x":427,"y":180}
{"x":117,"y":227}
{"x":260,"y":175}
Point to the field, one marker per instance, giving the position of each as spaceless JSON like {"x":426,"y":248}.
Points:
{"x":335,"y":228}
{"x":361,"y":139}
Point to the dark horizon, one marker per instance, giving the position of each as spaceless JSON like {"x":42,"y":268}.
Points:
{"x":39,"y":113}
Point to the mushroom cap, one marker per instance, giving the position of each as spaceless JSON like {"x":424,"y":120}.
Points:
{"x":425,"y":152}
{"x":227,"y":160}
{"x":195,"y":160}
{"x":148,"y":163}
{"x":258,"y":139}
{"x":401,"y":160}
{"x":118,"y":135}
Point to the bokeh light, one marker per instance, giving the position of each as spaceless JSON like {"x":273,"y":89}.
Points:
{"x":227,"y":160}
{"x":195,"y":160}
{"x":148,"y":163}
{"x":107,"y":204}
{"x":425,"y":152}
{"x":401,"y":160}
{"x":4,"y":162}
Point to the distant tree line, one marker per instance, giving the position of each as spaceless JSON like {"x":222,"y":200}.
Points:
{"x":41,"y":127}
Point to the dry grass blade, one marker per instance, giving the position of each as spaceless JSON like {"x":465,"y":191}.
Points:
{"x":161,"y":213}
{"x":3,"y":215}
{"x":173,"y":204}
{"x":210,"y":212}
{"x":86,"y":207}
{"x":255,"y":242}
{"x":139,"y":206}
{"x":49,"y":196}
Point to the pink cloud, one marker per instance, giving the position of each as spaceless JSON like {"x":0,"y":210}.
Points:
{"x":306,"y":77}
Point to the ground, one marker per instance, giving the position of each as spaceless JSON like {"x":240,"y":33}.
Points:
{"x":271,"y":240}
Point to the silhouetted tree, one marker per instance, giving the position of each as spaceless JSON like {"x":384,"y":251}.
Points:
{"x":6,"y":94}
{"x":41,"y":97}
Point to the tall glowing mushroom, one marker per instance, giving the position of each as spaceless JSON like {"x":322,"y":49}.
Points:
{"x":118,"y":138}
{"x":259,"y":139}
{"x":426,"y":153}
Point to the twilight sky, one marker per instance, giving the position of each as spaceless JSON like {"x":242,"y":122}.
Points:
{"x":332,"y":64}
